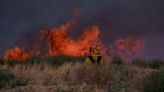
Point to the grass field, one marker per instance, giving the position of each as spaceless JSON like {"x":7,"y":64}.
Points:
{"x":38,"y":74}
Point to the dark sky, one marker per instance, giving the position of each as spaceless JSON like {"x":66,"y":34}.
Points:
{"x":117,"y":18}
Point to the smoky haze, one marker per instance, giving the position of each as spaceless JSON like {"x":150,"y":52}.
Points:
{"x":117,"y":19}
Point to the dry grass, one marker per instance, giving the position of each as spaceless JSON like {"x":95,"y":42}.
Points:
{"x":77,"y":77}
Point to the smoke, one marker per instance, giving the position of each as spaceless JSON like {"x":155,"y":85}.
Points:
{"x":117,"y":19}
{"x":127,"y":48}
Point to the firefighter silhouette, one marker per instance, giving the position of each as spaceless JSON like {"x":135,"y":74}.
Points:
{"x":95,"y":57}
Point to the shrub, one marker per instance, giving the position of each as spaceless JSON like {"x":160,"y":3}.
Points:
{"x":155,"y":82}
{"x":140,"y":62}
{"x":155,"y":64}
{"x":116,"y":60}
{"x":19,"y":82}
{"x":91,"y":75}
{"x":10,"y":80}
{"x":5,"y":78}
{"x":58,"y":60}
{"x":33,"y":59}
{"x":12,"y":62}
{"x":1,"y":61}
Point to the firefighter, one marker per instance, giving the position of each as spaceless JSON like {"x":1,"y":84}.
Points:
{"x":95,"y":57}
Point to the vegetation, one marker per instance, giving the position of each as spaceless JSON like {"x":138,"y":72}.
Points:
{"x":55,"y":60}
{"x":59,"y":60}
{"x":5,"y":78}
{"x":40,"y":74}
{"x":140,"y":62}
{"x":116,"y":60}
{"x":154,"y":64}
{"x":155,"y":82}
{"x":1,"y":61}
{"x":9,"y":80}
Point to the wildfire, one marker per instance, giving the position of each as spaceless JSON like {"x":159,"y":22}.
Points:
{"x":56,"y":41}
{"x":60,"y":43}
{"x":16,"y":53}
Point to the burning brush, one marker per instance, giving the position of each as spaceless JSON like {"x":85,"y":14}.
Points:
{"x":58,"y":43}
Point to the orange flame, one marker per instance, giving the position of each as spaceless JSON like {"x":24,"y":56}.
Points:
{"x":15,"y":53}
{"x":60,"y":43}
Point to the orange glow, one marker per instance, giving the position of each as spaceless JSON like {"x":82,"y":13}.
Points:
{"x":57,"y":42}
{"x":60,"y":43}
{"x":15,"y":53}
{"x":128,"y":47}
